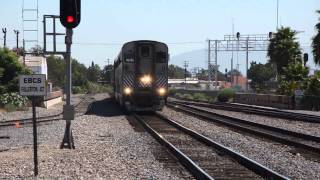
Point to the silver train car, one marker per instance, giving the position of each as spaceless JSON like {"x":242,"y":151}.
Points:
{"x":141,"y":75}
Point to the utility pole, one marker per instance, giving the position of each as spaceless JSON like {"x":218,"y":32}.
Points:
{"x":231,"y":72}
{"x":247,"y":59}
{"x":17,"y":34}
{"x":277,"y":13}
{"x":216,"y":64}
{"x":209,"y":63}
{"x":185,"y":73}
{"x":237,"y":75}
{"x":4,"y":30}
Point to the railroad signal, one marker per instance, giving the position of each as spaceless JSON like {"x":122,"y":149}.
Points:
{"x":305,"y":58}
{"x":70,"y":13}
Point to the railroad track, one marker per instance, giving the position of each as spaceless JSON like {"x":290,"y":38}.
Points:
{"x":298,"y":140}
{"x":257,"y":110}
{"x":204,"y":158}
{"x":80,"y":109}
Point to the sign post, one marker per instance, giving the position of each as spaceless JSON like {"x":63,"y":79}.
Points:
{"x":33,"y":85}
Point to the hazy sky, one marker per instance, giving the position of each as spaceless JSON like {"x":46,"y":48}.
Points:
{"x":183,"y":24}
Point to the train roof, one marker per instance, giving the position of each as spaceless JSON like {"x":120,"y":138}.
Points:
{"x":144,"y":41}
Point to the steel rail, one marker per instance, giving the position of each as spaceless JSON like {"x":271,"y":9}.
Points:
{"x":283,"y":136}
{"x":246,"y":162}
{"x":258,"y":110}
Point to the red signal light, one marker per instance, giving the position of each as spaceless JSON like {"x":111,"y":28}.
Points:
{"x":70,"y":19}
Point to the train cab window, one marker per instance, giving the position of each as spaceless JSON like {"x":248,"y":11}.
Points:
{"x":129,"y":57}
{"x":161,"y":57}
{"x":144,"y":51}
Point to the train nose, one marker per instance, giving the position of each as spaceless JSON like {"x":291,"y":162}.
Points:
{"x":145,"y":80}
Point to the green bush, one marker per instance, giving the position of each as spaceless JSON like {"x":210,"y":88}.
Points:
{"x":13,"y":101}
{"x":79,"y":90}
{"x":10,"y":107}
{"x":187,"y":96}
{"x":200,"y":97}
{"x":93,"y":88}
{"x":225,"y":95}
{"x":177,"y":95}
{"x":172,"y":92}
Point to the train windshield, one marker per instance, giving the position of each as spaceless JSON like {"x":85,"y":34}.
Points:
{"x":145,"y":59}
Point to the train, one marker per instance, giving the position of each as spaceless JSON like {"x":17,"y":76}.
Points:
{"x":141,"y":75}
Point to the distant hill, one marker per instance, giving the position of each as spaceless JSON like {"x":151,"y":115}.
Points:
{"x":199,"y":58}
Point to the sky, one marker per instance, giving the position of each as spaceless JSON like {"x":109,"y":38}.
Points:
{"x":184,"y":25}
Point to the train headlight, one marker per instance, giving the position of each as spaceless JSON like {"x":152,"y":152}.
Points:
{"x":127,"y":91}
{"x":162,"y":91}
{"x":146,"y":79}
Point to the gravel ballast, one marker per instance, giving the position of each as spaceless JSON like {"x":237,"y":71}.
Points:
{"x":292,"y":125}
{"x":56,"y":109}
{"x":106,"y":148}
{"x":276,"y":156}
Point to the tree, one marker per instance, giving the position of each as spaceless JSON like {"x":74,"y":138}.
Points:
{"x":294,"y":76}
{"x":316,"y":43}
{"x":10,"y":69}
{"x":284,"y":49}
{"x":176,"y":72}
{"x":79,"y":73}
{"x":107,"y":73}
{"x":203,"y":75}
{"x":260,"y":74}
{"x":312,"y":85}
{"x":56,"y":70}
{"x":36,"y":50}
{"x":94,"y":72}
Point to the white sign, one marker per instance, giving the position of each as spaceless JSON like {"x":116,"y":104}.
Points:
{"x":33,"y":85}
{"x":298,"y":92}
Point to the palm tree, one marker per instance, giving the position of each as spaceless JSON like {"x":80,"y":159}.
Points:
{"x":316,"y":43}
{"x":284,"y":49}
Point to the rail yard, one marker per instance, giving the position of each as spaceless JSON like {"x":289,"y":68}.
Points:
{"x":164,"y":89}
{"x":114,"y":144}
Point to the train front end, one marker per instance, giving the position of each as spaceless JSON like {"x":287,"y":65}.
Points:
{"x":145,"y":75}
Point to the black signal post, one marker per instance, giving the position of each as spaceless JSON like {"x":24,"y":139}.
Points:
{"x":69,"y":18}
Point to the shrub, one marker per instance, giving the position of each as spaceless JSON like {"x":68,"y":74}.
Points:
{"x":200,"y":97}
{"x":172,"y":92}
{"x":13,"y":101}
{"x":10,"y":107}
{"x":79,"y":90}
{"x":187,"y":96}
{"x":225,"y":95}
{"x":178,"y":95}
{"x":94,"y":88}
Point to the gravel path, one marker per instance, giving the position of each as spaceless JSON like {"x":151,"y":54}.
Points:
{"x":292,"y":125}
{"x":106,"y":148}
{"x":273,"y":155}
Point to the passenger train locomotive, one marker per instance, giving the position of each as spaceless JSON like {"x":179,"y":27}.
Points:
{"x":141,"y":75}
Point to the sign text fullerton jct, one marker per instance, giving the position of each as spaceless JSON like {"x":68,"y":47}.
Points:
{"x":33,"y":85}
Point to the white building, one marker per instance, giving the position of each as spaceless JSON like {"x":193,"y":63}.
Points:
{"x":37,"y":64}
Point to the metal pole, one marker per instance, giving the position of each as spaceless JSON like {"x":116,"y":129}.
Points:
{"x":17,"y":34}
{"x":54,"y":34}
{"x":4,"y":30}
{"x":277,"y":12}
{"x":231,"y":71}
{"x":44,"y":35}
{"x":68,"y":63}
{"x":247,"y":59}
{"x":68,"y":109}
{"x":185,"y":74}
{"x":209,"y":63}
{"x":216,"y":63}
{"x":35,"y":143}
